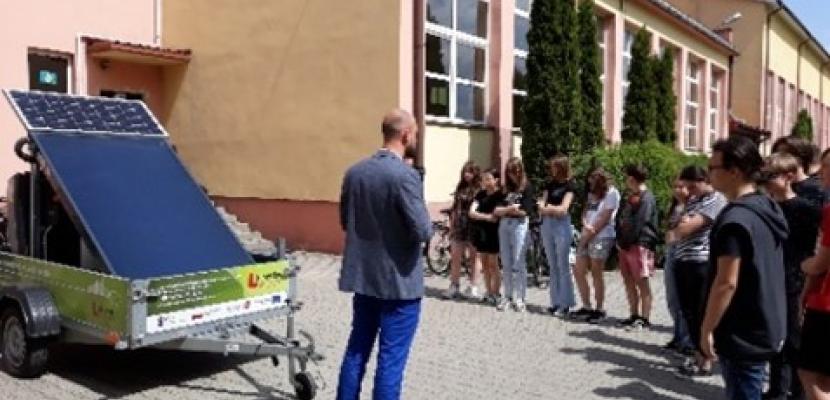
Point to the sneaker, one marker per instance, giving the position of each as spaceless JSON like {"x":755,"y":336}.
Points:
{"x":452,"y":292}
{"x":672,"y":345}
{"x":596,"y":317}
{"x":552,"y":310}
{"x":493,"y":299}
{"x":502,"y":304}
{"x":638,"y":324}
{"x":690,"y":370}
{"x":628,"y":322}
{"x":561,"y":312}
{"x":582,"y":314}
{"x":471,"y":292}
{"x":519,"y":306}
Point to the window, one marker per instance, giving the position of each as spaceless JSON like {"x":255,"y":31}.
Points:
{"x":714,"y":107}
{"x":692,"y":105}
{"x":456,"y":59}
{"x":521,"y":27}
{"x":120,"y":94}
{"x":48,"y":73}
{"x":779,"y":107}
{"x":628,"y":40}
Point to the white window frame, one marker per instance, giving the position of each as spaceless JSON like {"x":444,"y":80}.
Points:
{"x":714,"y":107}
{"x":691,"y":132}
{"x":518,"y":53}
{"x":601,"y":45}
{"x":70,"y":61}
{"x":780,"y":103}
{"x":455,"y":37}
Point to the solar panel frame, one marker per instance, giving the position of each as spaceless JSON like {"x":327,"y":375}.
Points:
{"x":15,"y":98}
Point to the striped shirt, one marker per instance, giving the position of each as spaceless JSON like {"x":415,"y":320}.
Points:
{"x":695,"y":247}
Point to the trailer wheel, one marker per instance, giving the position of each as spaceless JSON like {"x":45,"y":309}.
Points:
{"x":21,"y":356}
{"x":304,"y":386}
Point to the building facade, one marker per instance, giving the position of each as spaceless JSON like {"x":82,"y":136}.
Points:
{"x":783,"y":68}
{"x":83,"y":47}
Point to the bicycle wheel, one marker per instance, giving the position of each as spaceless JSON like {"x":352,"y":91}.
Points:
{"x":438,"y":254}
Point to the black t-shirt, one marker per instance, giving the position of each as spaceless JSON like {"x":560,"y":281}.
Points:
{"x":526,"y":199}
{"x":488,"y":202}
{"x":557,"y":190}
{"x":810,"y":190}
{"x":803,"y":220}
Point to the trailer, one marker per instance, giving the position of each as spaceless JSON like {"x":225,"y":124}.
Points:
{"x":110,"y":241}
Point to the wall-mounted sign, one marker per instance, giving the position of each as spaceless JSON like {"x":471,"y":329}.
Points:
{"x":47,"y":77}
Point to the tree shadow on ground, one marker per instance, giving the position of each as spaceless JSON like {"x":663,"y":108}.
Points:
{"x":654,"y":369}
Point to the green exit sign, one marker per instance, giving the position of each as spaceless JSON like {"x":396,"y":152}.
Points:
{"x":47,"y":77}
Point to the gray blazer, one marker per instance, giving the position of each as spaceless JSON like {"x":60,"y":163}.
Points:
{"x":383,"y":214}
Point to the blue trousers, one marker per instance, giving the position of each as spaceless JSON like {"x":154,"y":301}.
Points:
{"x":513,"y":240}
{"x":744,"y":380}
{"x":557,"y":236}
{"x":681,"y":331}
{"x":396,"y":321}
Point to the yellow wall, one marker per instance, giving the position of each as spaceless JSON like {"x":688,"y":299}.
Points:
{"x":446,"y":149}
{"x":810,"y":77}
{"x":783,"y":50}
{"x":280,"y":96}
{"x":637,"y":15}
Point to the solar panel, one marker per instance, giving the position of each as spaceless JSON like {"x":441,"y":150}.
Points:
{"x":59,"y":112}
{"x":143,"y":211}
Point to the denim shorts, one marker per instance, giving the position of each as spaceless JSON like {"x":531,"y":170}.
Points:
{"x":597,"y":249}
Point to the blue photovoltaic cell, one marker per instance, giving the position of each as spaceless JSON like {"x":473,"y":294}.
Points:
{"x":144,"y":212}
{"x":53,"y":111}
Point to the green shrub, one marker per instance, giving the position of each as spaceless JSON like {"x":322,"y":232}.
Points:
{"x":663,"y":163}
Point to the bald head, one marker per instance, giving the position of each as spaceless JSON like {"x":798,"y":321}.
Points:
{"x":394,"y":124}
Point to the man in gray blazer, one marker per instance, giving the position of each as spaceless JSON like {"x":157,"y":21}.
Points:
{"x":383,"y":214}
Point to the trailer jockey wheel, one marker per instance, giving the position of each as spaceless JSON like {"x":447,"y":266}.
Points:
{"x":22,"y":357}
{"x":18,"y":150}
{"x":304,"y":386}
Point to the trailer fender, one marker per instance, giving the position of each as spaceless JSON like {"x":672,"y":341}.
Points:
{"x":37,"y":306}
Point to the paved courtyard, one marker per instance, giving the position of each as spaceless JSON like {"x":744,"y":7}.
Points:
{"x":462,"y":351}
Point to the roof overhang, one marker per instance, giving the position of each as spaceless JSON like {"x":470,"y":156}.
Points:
{"x":135,"y":52}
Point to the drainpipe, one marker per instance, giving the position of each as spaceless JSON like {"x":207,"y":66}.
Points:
{"x":766,"y":61}
{"x":157,"y":22}
{"x":419,"y":66}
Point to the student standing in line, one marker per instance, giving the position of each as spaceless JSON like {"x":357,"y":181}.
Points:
{"x":595,"y":244}
{"x":744,"y":325}
{"x":518,"y":205}
{"x":465,"y":191}
{"x":637,"y":241}
{"x":557,"y":234}
{"x":814,"y":355}
{"x":680,"y":341}
{"x":486,"y":232}
{"x":803,"y":220}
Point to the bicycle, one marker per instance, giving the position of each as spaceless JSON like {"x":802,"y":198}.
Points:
{"x":438,"y":250}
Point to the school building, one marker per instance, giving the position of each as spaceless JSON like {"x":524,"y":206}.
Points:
{"x":782,"y":68}
{"x":268,"y":102}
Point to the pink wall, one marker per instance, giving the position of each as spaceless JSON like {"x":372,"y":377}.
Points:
{"x":129,"y":77}
{"x":55,"y":25}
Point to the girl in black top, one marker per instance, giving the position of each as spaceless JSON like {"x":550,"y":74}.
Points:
{"x":465,"y":191}
{"x":486,"y":231}
{"x":519,"y":203}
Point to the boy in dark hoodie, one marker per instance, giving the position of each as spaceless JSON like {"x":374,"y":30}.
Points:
{"x":803,"y":219}
{"x":744,"y":325}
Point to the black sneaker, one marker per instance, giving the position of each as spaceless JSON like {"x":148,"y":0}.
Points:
{"x":596,"y":316}
{"x":671,"y":345}
{"x":639,"y":323}
{"x":581,"y":314}
{"x":628,"y":322}
{"x":552,"y":310}
{"x":691,"y":370}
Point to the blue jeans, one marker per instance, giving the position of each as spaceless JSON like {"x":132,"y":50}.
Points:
{"x":557,"y":235}
{"x":512,"y":251}
{"x":681,"y":330}
{"x":744,"y":380}
{"x":397,"y":321}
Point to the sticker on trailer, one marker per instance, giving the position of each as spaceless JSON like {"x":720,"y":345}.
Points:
{"x":199,"y":315}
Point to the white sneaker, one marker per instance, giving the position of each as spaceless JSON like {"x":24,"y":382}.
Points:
{"x":502,"y":304}
{"x":452,"y":292}
{"x":519,"y":305}
{"x":471,"y":292}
